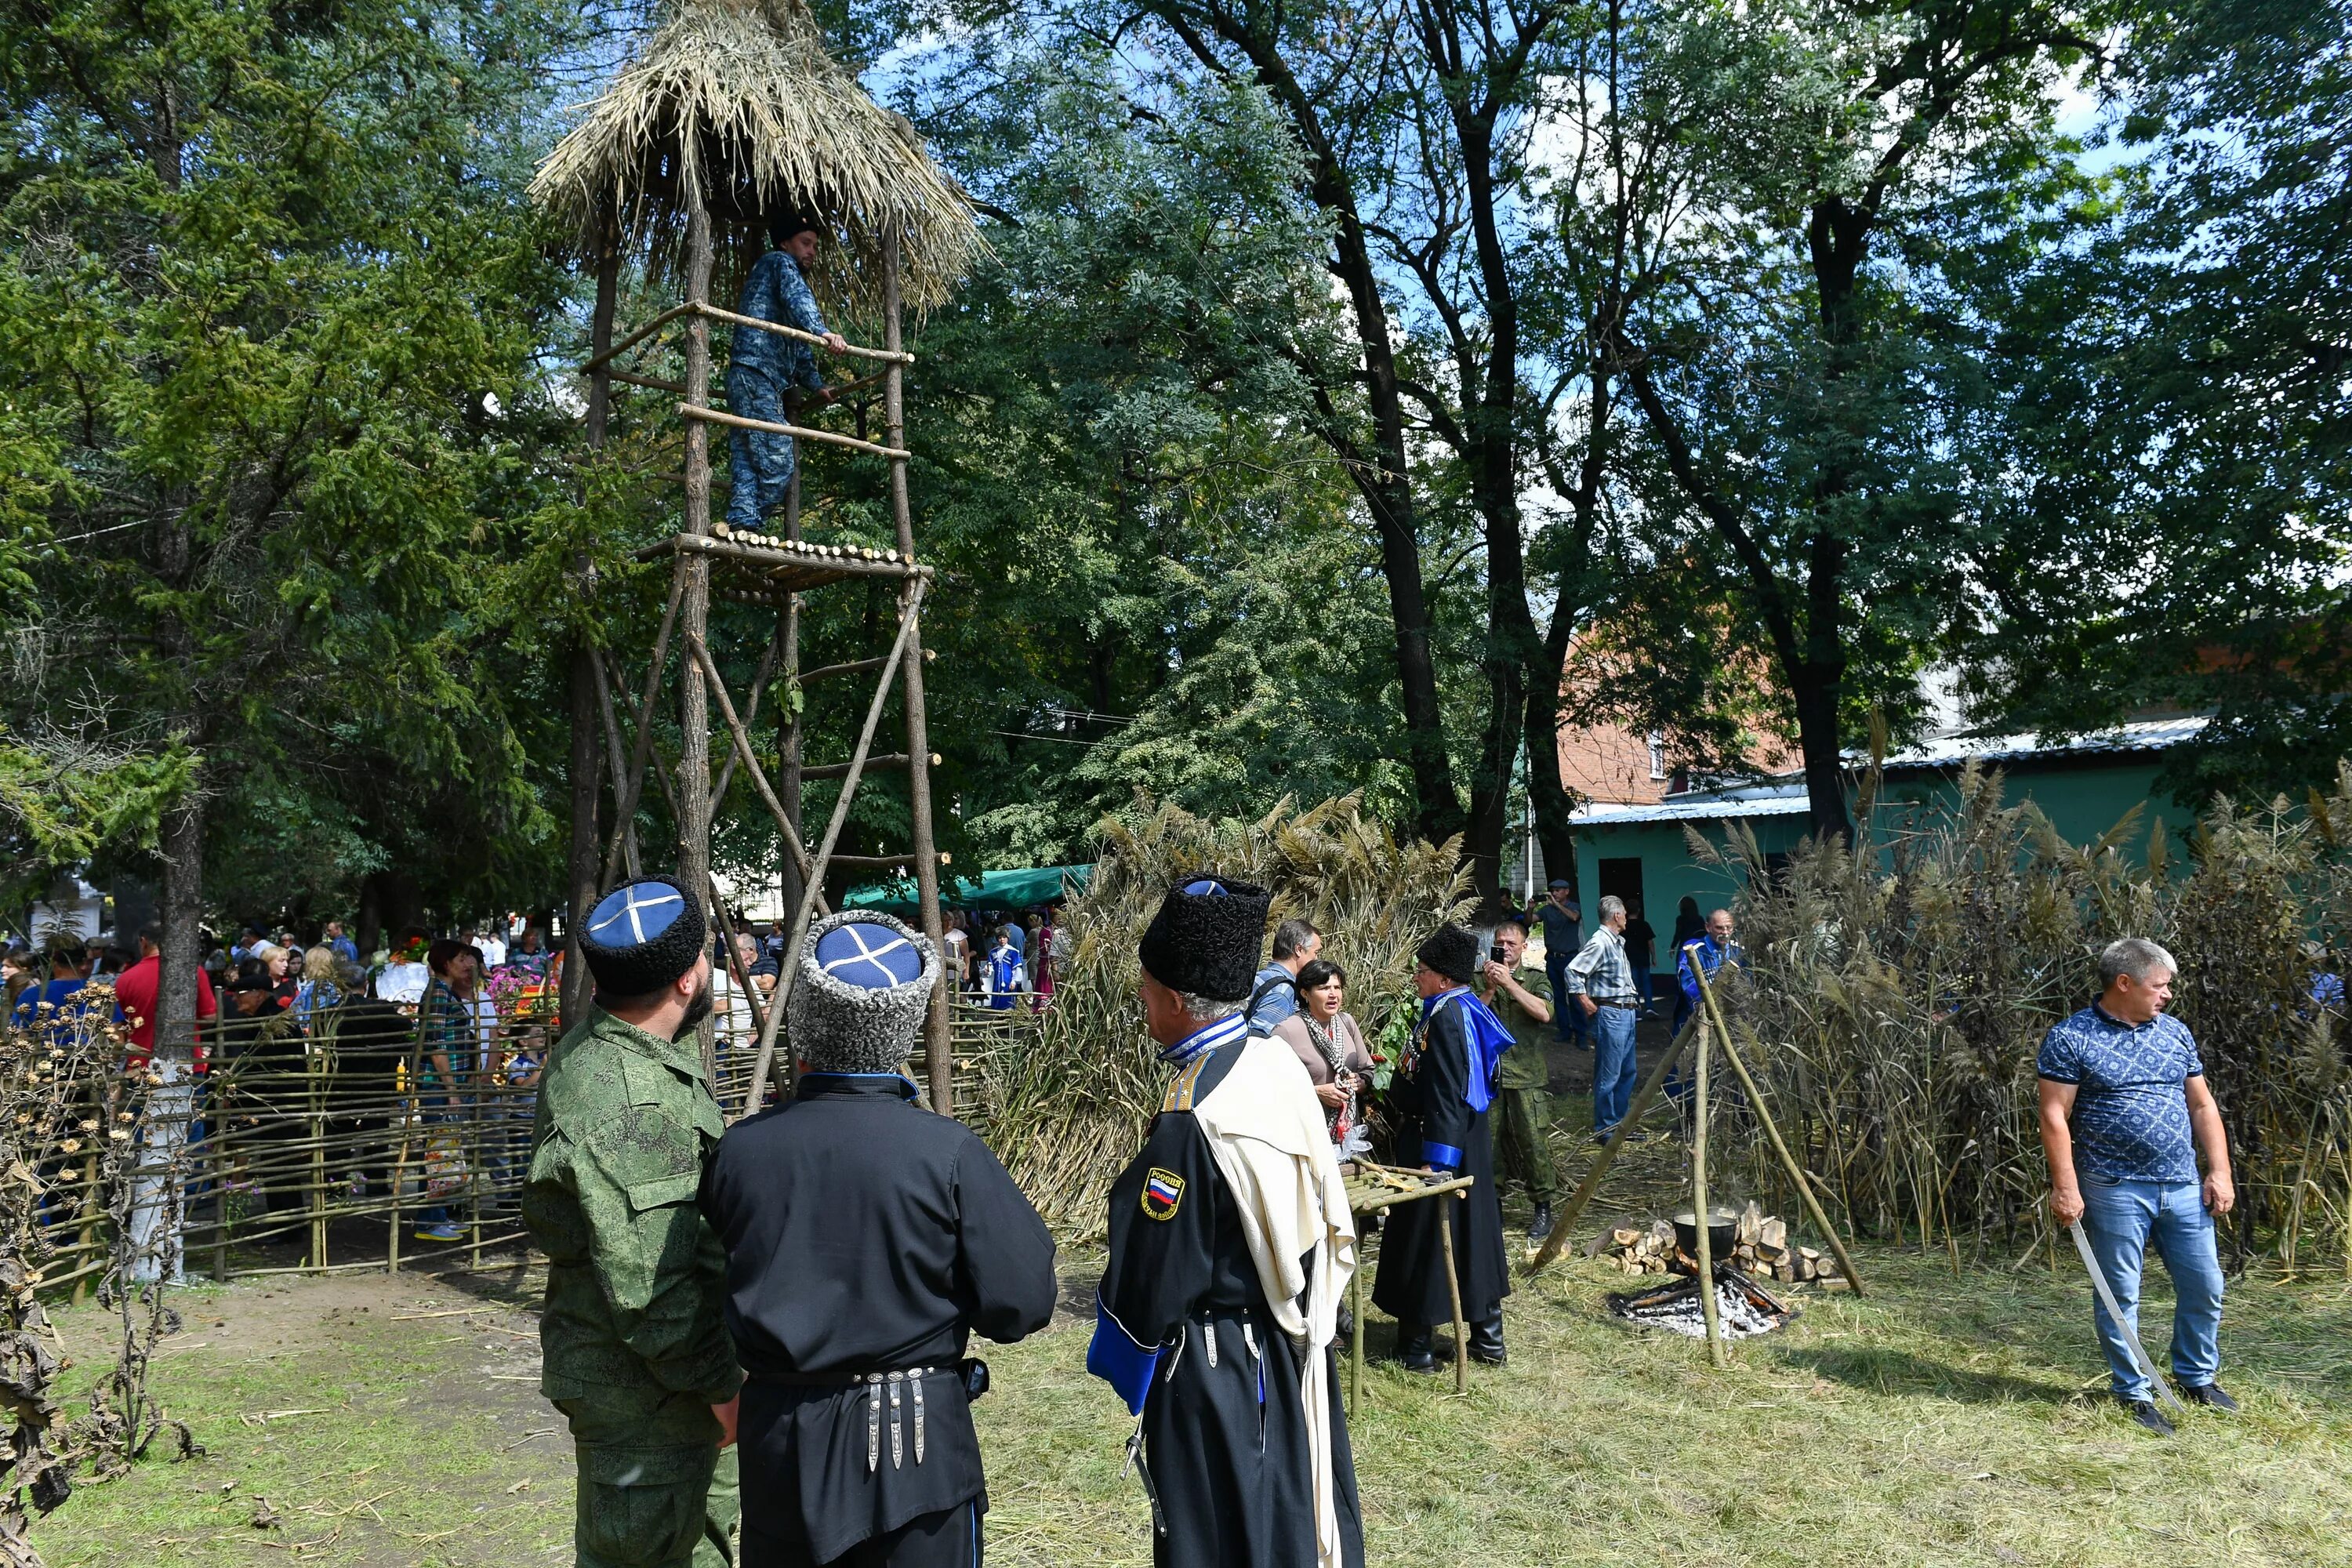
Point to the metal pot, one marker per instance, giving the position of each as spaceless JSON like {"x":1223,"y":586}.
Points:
{"x":1722,"y":1230}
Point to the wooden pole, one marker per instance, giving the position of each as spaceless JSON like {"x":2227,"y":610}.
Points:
{"x":625,"y":810}
{"x":792,"y":879}
{"x":694,"y":606}
{"x":625,"y":830}
{"x":743,"y":740}
{"x":1557,"y":1240}
{"x":1454,"y":1294}
{"x":1772,"y":1130}
{"x":910,"y":606}
{"x":1700,"y":1212}
{"x":939,"y":1042}
{"x":583,"y":679}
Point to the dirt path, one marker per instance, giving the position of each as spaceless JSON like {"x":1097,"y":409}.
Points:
{"x":384,"y":1422}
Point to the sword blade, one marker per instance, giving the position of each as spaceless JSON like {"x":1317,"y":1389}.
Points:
{"x":2131,"y":1334}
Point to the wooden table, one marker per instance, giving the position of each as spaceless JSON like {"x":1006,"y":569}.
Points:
{"x":1373,"y":1188}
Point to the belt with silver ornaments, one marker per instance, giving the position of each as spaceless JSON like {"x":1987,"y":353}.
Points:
{"x":904,"y":1388}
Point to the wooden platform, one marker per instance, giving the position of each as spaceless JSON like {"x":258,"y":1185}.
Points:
{"x":762,"y":567}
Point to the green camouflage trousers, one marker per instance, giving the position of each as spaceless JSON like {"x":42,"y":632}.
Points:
{"x":1522,"y":1151}
{"x":654,"y":1490}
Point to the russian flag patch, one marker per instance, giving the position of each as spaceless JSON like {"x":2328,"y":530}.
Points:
{"x":1163,"y":1192}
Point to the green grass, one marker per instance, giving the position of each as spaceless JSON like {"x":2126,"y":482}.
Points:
{"x":1935,"y":1421}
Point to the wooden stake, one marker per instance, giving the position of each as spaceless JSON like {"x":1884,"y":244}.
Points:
{"x":1700,"y":1212}
{"x":1772,"y":1130}
{"x":1453,"y":1293}
{"x":625,"y":810}
{"x":1556,"y":1242}
{"x":938,"y":1046}
{"x":909,"y":608}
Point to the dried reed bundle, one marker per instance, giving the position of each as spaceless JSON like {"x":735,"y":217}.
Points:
{"x":1065,"y":1107}
{"x":1896,"y":999}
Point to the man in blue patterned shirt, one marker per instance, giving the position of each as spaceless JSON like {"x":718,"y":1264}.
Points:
{"x":765,"y":370}
{"x":2125,"y":1109}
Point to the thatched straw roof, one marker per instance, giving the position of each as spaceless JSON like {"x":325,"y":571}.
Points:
{"x":738,"y":98}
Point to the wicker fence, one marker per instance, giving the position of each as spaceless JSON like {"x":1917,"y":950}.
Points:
{"x":330,"y":1147}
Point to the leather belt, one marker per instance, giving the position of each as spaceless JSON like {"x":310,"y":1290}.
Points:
{"x":1614,"y":1002}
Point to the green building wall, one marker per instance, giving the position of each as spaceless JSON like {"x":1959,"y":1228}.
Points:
{"x":2083,"y":798}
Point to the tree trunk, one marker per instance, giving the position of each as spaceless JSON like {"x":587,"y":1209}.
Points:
{"x":1382,"y":477}
{"x":1816,"y":690}
{"x":587,"y":713}
{"x":157,"y":1180}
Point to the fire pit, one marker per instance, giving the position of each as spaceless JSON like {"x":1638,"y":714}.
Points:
{"x":1743,"y":1307}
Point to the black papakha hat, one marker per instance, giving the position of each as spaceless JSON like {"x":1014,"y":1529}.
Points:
{"x":784,"y":225}
{"x":1205,"y":938}
{"x":1452,"y":950}
{"x":642,"y":935}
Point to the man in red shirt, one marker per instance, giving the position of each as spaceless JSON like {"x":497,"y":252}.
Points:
{"x":134,"y":997}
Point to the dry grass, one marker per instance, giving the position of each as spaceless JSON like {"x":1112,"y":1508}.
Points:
{"x":1895,"y":1003}
{"x":738,"y":99}
{"x":1065,"y":1104}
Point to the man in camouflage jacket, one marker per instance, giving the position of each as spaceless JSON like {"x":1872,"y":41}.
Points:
{"x":636,"y":1352}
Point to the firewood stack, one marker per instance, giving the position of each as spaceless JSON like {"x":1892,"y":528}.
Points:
{"x":1760,"y":1249}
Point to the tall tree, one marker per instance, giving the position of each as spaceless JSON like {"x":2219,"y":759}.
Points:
{"x":1806,"y":412}
{"x":288,"y":299}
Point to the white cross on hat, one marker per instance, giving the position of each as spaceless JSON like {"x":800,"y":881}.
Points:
{"x":663,"y":897}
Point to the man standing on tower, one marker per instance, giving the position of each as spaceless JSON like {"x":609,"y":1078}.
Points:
{"x":768,"y":374}
{"x":634,"y":1347}
{"x":1231,"y":1245}
{"x":867,"y":1240}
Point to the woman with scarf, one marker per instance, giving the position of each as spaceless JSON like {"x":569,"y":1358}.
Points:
{"x":1440,"y":1097}
{"x":1330,"y":1045}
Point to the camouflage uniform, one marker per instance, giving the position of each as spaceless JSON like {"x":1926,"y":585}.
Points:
{"x":1524,"y":1100}
{"x":636,"y":1351}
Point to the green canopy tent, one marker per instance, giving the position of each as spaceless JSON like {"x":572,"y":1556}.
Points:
{"x":1017,"y":889}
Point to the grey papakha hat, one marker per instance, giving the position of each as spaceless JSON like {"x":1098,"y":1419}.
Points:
{"x":864,"y":984}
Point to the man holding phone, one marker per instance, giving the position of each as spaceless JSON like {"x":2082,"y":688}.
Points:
{"x":1521,"y":997}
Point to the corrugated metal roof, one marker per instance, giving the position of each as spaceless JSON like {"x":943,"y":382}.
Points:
{"x":1786,"y":796}
{"x":1711,"y":808}
{"x":2142,"y":735}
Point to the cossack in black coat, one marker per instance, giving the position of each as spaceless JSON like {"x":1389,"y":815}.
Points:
{"x":1181,"y":1313}
{"x":1437,"y":1125}
{"x":864,"y":1234}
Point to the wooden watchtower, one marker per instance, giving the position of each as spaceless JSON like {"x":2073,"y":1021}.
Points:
{"x":730,"y":112}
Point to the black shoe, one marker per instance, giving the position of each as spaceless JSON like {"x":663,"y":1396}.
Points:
{"x":2209,"y":1395}
{"x":1539,"y":1226}
{"x":1487,"y":1341}
{"x":1602,"y":1134}
{"x":1413,"y":1349}
{"x":2144,"y":1412}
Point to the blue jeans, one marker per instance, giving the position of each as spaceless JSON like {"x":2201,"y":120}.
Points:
{"x":1613,"y":1064}
{"x":2121,"y":1218}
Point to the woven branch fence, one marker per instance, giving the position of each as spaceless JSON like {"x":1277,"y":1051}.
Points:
{"x":1895,"y":1000}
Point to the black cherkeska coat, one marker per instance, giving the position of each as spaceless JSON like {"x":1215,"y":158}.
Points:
{"x":1436,"y":1125}
{"x":1224,"y":1430}
{"x":864,"y":1234}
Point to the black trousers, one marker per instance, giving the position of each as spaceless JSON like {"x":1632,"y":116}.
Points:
{"x":950,"y":1538}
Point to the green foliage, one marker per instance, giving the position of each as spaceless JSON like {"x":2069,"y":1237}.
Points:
{"x":268,"y":273}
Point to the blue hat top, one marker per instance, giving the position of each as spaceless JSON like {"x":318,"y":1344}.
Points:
{"x":634,"y":913}
{"x":1208,"y":888}
{"x":870,"y":956}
